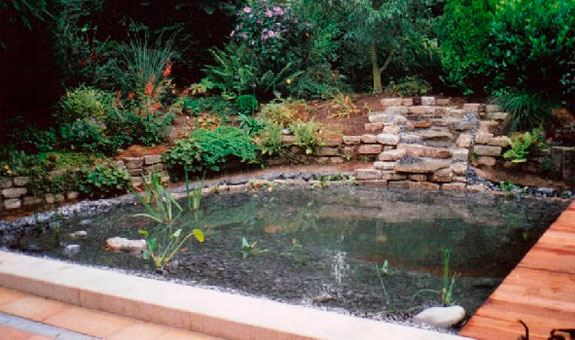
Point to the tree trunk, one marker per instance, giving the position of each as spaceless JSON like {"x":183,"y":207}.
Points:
{"x":376,"y":72}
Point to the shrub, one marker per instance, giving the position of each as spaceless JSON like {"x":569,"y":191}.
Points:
{"x":464,"y":34}
{"x":307,"y":135}
{"x":246,"y":104}
{"x":84,"y":102}
{"x":408,"y":87}
{"x":106,"y":180}
{"x":251,"y":125}
{"x":269,"y":139}
{"x":150,"y":129}
{"x":526,"y":111}
{"x":85,"y":135}
{"x":214,"y":104}
{"x":209,"y":149}
{"x":285,"y":111}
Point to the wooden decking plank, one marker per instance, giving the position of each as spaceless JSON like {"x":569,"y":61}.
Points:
{"x":540,"y":290}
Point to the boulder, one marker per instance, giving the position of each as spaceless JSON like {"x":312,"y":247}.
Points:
{"x":416,"y":150}
{"x":12,"y":203}
{"x":431,"y":101}
{"x":369,"y":139}
{"x":443,"y":176}
{"x":14,"y":192}
{"x":392,"y":155}
{"x":371,"y":127}
{"x":486,"y":160}
{"x":351,"y":140}
{"x":370,"y":149}
{"x":427,"y":167}
{"x":152,"y":159}
{"x":407,"y":102}
{"x":133,"y":162}
{"x":464,"y":140}
{"x":461,"y":155}
{"x":485,"y":150}
{"x":392,"y":129}
{"x":459,"y":168}
{"x":124,"y":244}
{"x":443,"y":317}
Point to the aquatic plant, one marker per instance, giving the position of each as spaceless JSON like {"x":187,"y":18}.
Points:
{"x":158,"y":201}
{"x":381,"y":272}
{"x":447,"y":289}
{"x":249,"y":249}
{"x":160,"y":255}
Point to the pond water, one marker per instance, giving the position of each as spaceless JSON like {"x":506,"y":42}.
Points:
{"x":327,"y":242}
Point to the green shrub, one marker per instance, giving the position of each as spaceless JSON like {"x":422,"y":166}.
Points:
{"x":209,"y":149}
{"x":526,"y":111}
{"x":284,"y":111}
{"x":214,"y":104}
{"x":85,"y":135}
{"x":84,"y":102}
{"x":246,"y":104}
{"x":464,"y":34}
{"x":251,"y":125}
{"x":408,"y":87}
{"x":105,"y":181}
{"x":307,"y":135}
{"x":269,"y":140}
{"x":150,"y":129}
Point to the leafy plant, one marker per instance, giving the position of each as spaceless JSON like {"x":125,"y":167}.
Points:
{"x":214,"y":104}
{"x":346,"y":105}
{"x":185,"y":155}
{"x":407,"y":87}
{"x":284,"y":112}
{"x":307,"y":135}
{"x":162,"y":255}
{"x":246,"y":104}
{"x":149,"y":129}
{"x":526,"y":110}
{"x":269,"y":140}
{"x":251,"y":125}
{"x":329,"y":180}
{"x":84,"y":102}
{"x":202,"y":87}
{"x":521,"y":144}
{"x":160,"y":205}
{"x":249,"y":249}
{"x":106,"y":180}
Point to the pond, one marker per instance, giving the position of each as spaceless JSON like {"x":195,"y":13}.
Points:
{"x":322,"y":246}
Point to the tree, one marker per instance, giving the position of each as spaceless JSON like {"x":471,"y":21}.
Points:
{"x":381,"y":28}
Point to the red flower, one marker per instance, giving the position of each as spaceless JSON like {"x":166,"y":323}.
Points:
{"x":83,"y":63}
{"x":131,"y":95}
{"x":149,"y":88}
{"x":167,"y":70}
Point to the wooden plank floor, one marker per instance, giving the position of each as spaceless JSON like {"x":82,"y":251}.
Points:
{"x":540,"y":291}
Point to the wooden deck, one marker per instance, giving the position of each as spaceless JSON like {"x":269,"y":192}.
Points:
{"x":540,"y":291}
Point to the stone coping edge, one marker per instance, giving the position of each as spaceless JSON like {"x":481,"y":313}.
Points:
{"x":201,"y":310}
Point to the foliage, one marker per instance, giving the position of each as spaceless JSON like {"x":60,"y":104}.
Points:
{"x":526,"y":111}
{"x":215,"y":104}
{"x":202,"y":87}
{"x":84,"y":102}
{"x":150,"y":129}
{"x":162,"y":255}
{"x":246,"y":104}
{"x":345,"y":104}
{"x":521,"y":144}
{"x":251,"y":125}
{"x":307,"y":135}
{"x":106,"y":180}
{"x":284,"y":111}
{"x":532,"y":43}
{"x":464,"y":34}
{"x":209,"y":149}
{"x":85,"y":135}
{"x":158,"y":201}
{"x":382,"y":272}
{"x":249,"y":249}
{"x":269,"y":139}
{"x":325,"y":181}
{"x":408,"y":87}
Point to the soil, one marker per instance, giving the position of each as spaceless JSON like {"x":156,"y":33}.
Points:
{"x":140,"y":151}
{"x":522,"y":178}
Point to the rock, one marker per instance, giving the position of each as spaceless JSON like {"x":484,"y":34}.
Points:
{"x":464,"y":140}
{"x":418,"y":177}
{"x":391,"y":129}
{"x":288,"y":139}
{"x":369,"y":139}
{"x":391,"y":101}
{"x":399,"y":184}
{"x":133,"y":162}
{"x":79,"y":234}
{"x":12,"y":204}
{"x":369,"y":149}
{"x":485,"y":150}
{"x":461,"y":155}
{"x":483,"y":138}
{"x":488,"y":126}
{"x":486,"y":160}
{"x":427,"y":167}
{"x":416,"y":150}
{"x":14,"y":192}
{"x":444,"y":317}
{"x":351,"y":140}
{"x":371,"y":127}
{"x":387,"y":139}
{"x":367,"y":174}
{"x":497,"y":115}
{"x":471,"y":107}
{"x":323,"y":298}
{"x":32,"y":201}
{"x":498,"y":141}
{"x":21,"y":181}
{"x":432,"y":134}
{"x":286,"y":132}
{"x":396,"y":110}
{"x":456,"y":113}
{"x":443,"y":176}
{"x":453,"y":186}
{"x":71,"y":250}
{"x":459,"y":168}
{"x":492,"y":108}
{"x":424,"y":185}
{"x":328,"y":151}
{"x":392,"y":176}
{"x":384,"y":165}
{"x":6,"y":183}
{"x":442,"y":101}
{"x":422,"y":124}
{"x":336,"y":160}
{"x":393,"y":114}
{"x":72,"y":195}
{"x":419,"y":110}
{"x":123,"y":244}
{"x":407,"y":102}
{"x":430,"y":101}
{"x":476,"y":188}
{"x":392,"y":155}
{"x":152,"y":159}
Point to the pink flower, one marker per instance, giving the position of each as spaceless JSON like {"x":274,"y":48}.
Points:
{"x":269,"y":13}
{"x":278,"y":10}
{"x":247,"y":9}
{"x":233,"y":33}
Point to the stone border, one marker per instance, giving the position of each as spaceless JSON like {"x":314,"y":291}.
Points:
{"x":225,"y":315}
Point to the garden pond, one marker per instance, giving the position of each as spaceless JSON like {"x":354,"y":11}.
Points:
{"x":322,"y":246}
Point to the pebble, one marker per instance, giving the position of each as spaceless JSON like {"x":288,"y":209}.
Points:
{"x":71,"y":250}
